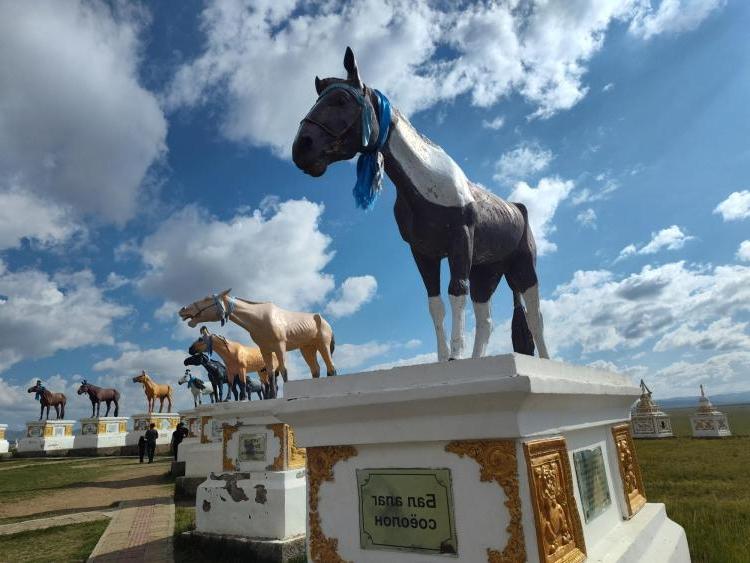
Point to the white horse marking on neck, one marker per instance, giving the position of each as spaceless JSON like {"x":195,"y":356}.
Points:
{"x":436,"y":175}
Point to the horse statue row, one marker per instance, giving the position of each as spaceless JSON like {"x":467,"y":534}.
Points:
{"x":154,"y":391}
{"x":217,"y":375}
{"x":99,"y":394}
{"x":49,"y":399}
{"x":276,"y":331}
{"x":239,"y":360}
{"x":439,"y":212}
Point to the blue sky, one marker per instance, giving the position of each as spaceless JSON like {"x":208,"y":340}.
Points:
{"x":144,"y":162}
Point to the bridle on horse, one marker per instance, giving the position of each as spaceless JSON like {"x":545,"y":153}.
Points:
{"x":224,"y":312}
{"x":365,"y":111}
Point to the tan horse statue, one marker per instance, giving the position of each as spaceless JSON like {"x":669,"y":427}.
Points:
{"x":273,"y":329}
{"x":239,"y":361}
{"x":154,"y":391}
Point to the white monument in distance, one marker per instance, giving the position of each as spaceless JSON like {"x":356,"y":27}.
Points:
{"x":646,"y":420}
{"x":707,"y":422}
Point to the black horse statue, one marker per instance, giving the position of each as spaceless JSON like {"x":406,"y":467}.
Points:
{"x":217,"y":375}
{"x":49,"y":399}
{"x":439,"y":212}
{"x":99,"y":394}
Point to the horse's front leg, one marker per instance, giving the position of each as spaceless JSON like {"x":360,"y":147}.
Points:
{"x":459,"y":262}
{"x":429,"y":269}
{"x":268,"y":361}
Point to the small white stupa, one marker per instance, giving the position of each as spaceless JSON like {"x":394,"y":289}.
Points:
{"x":707,"y":422}
{"x":646,"y":420}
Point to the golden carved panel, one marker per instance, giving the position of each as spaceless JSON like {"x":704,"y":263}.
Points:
{"x":290,"y":456}
{"x":630,"y":471}
{"x":558,"y":524}
{"x":320,"y":463}
{"x":123,"y":427}
{"x":497,"y":462}
{"x":227,"y":431}
{"x":49,"y":430}
{"x":2,"y":433}
{"x":69,"y":430}
{"x":102,"y":428}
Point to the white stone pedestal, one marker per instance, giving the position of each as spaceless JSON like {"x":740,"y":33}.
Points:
{"x":102,"y":432}
{"x":507,"y":458}
{"x":165,"y":425}
{"x":3,"y":441}
{"x":260,"y":492}
{"x":47,"y":436}
{"x":201,"y":449}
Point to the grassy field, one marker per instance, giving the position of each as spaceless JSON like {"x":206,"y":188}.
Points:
{"x":53,"y":545}
{"x":19,"y":481}
{"x":705,"y":485}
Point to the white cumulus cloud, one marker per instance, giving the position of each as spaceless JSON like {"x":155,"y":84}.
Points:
{"x":743,"y":252}
{"x":671,"y":16}
{"x":522,"y":162}
{"x":43,"y":314}
{"x":76,"y":125}
{"x":352,"y":294}
{"x":735,"y":207}
{"x":254,"y":50}
{"x":671,"y":238}
{"x":542,"y":203}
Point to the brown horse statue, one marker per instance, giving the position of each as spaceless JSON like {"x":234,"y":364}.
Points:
{"x":154,"y":391}
{"x":239,"y":361}
{"x":49,"y":399}
{"x":99,"y":394}
{"x":273,"y":329}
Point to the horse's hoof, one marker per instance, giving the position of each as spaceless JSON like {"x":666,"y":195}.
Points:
{"x":451,"y":359}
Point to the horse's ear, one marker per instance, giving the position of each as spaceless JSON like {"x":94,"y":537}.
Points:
{"x":318,"y":85}
{"x":350,"y":64}
{"x":227,"y":292}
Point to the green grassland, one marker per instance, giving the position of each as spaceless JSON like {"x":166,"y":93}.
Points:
{"x":704,"y":484}
{"x":53,"y":545}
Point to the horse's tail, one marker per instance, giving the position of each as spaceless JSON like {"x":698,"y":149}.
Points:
{"x":333,"y":343}
{"x":62,"y":405}
{"x":523,"y":341}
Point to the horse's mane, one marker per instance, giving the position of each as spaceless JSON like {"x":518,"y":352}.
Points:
{"x":251,"y":302}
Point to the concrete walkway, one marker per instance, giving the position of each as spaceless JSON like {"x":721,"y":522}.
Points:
{"x":140,"y":530}
{"x":63,"y":520}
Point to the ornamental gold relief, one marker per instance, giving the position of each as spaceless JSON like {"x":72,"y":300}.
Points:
{"x":320,"y":463}
{"x":290,"y":456}
{"x":204,"y":423}
{"x":497,"y":462}
{"x":227,"y":431}
{"x":558,"y":524}
{"x":630,"y":471}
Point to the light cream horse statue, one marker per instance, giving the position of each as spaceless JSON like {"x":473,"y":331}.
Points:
{"x":273,"y":329}
{"x":154,"y":391}
{"x":239,"y":361}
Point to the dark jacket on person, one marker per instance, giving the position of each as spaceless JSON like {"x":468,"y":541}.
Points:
{"x":151,"y":435}
{"x":179,"y":434}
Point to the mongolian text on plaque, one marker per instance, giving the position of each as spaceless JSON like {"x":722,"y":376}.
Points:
{"x":252,"y":447}
{"x":407,"y":510}
{"x":592,"y":482}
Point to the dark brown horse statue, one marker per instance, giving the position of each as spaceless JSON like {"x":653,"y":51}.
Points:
{"x":439,"y":212}
{"x":49,"y":399}
{"x":99,"y":394}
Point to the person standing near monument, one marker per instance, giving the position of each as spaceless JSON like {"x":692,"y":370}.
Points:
{"x":177,"y":436}
{"x":151,"y":436}
{"x":141,"y":448}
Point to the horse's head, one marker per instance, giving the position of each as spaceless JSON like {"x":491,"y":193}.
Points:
{"x":194,"y":359}
{"x":37,"y":388}
{"x":197,"y":348}
{"x":185,"y":378}
{"x":342,"y":122}
{"x":84,"y":388}
{"x":209,"y":309}
{"x":141,"y":377}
